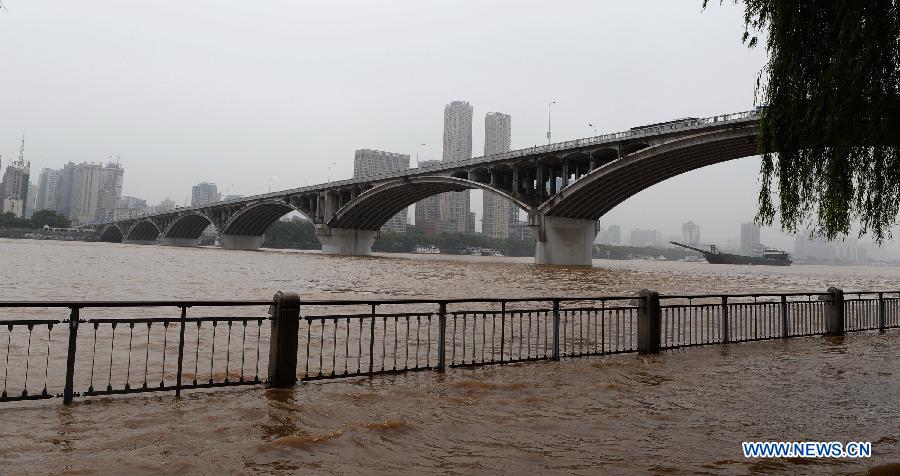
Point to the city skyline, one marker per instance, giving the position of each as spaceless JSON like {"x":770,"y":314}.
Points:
{"x":281,"y":128}
{"x":286,"y":134}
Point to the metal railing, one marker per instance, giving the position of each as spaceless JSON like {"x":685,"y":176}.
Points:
{"x":105,"y":348}
{"x":77,"y":356}
{"x":411,"y":335}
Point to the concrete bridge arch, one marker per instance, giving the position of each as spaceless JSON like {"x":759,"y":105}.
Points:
{"x":112,"y":234}
{"x":185,"y":230}
{"x":143,"y":232}
{"x":566,"y":224}
{"x":353,"y":228}
{"x":244,"y":229}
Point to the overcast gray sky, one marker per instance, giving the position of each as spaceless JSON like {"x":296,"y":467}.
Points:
{"x":253,"y":95}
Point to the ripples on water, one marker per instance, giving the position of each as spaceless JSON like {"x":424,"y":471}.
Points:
{"x":682,"y":411}
{"x":61,"y":270}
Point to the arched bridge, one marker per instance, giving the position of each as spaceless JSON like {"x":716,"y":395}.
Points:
{"x":564,"y":187}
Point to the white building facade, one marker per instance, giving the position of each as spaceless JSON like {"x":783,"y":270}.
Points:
{"x":203,"y":193}
{"x":454,"y":208}
{"x":497,"y":211}
{"x":368,"y":162}
{"x":690,"y":233}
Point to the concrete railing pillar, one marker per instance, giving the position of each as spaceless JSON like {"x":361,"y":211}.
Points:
{"x":834,"y":311}
{"x":649,"y":320}
{"x":285,"y":312}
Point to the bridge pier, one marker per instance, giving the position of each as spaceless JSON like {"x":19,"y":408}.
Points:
{"x":186,"y":242}
{"x":241,"y":242}
{"x":563,"y":241}
{"x":140,"y":242}
{"x":345,"y":241}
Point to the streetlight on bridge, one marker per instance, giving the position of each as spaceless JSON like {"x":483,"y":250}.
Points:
{"x":417,"y":154}
{"x":549,"y":105}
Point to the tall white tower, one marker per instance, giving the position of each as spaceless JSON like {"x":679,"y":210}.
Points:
{"x":497,"y":210}
{"x":457,"y":146}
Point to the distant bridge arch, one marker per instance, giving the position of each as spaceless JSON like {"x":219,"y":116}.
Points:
{"x":112,"y":234}
{"x":373,"y":208}
{"x":188,"y":226}
{"x":142,"y":232}
{"x":255,"y":218}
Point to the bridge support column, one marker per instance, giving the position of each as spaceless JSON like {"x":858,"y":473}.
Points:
{"x":140,"y":242}
{"x":563,"y":241}
{"x":345,"y":241}
{"x":241,"y":242}
{"x":186,"y":242}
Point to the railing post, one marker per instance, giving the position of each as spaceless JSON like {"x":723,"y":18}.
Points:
{"x":182,"y":324}
{"x":834,"y":311}
{"x":285,"y":312}
{"x":442,"y":336}
{"x":882,"y":321}
{"x":726,"y":326}
{"x":503,"y":329}
{"x":371,"y":341}
{"x":69,"y":390}
{"x":784,"y":318}
{"x":555,"y":329}
{"x":649,"y":319}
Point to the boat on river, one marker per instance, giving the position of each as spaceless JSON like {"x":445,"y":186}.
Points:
{"x":769,"y":256}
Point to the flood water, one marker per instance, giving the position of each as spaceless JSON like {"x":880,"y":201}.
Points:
{"x":683,"y":411}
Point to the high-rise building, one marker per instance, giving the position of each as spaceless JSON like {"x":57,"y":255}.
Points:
{"x":84,"y":197}
{"x":749,"y":237}
{"x":690,"y":233}
{"x":428,"y":211}
{"x":29,"y":204}
{"x":454,"y":210}
{"x":645,"y":237}
{"x":614,"y":235}
{"x":84,"y":192}
{"x":111,"y":178}
{"x":64,"y":192}
{"x":49,"y":190}
{"x":368,"y":162}
{"x":164,"y":206}
{"x":14,"y":186}
{"x":132,"y":202}
{"x":203,"y":193}
{"x":497,"y":210}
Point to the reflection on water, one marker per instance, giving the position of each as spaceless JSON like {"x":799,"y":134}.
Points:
{"x":684,"y":411}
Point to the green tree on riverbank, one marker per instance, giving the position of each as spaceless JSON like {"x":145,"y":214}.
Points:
{"x":40,"y":218}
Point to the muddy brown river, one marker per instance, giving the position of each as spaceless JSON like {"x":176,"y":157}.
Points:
{"x":681,"y":412}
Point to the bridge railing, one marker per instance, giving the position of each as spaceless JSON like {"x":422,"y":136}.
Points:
{"x":106,"y":348}
{"x":635,"y":133}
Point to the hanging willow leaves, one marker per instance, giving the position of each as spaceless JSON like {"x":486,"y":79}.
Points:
{"x":830,"y":132}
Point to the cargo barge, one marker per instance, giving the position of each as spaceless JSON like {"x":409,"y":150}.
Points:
{"x":769,"y":257}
